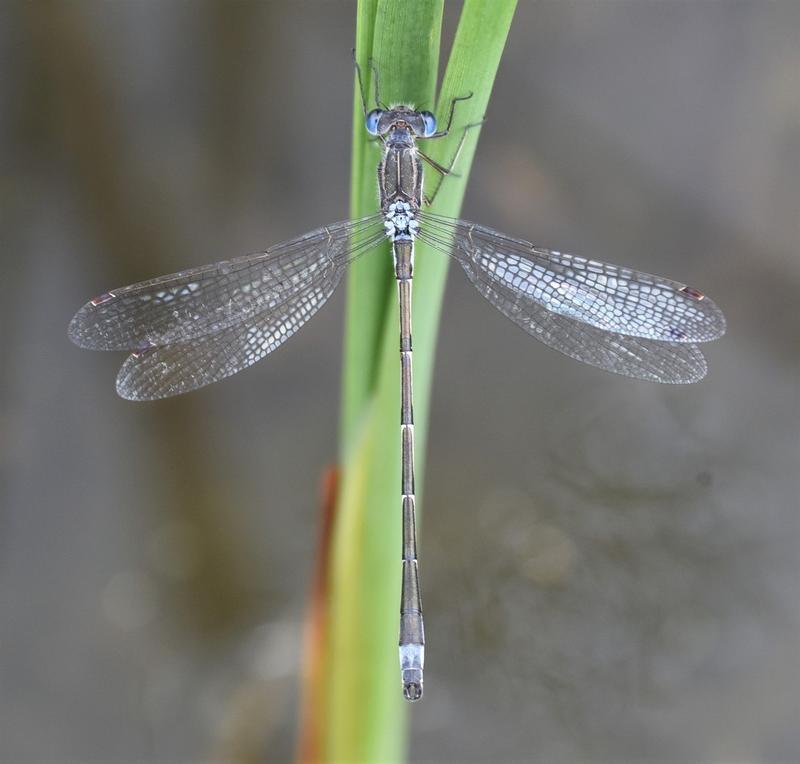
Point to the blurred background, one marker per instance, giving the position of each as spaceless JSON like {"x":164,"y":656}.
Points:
{"x":641,"y":541}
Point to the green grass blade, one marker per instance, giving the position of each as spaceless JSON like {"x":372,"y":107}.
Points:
{"x":364,"y":717}
{"x":407,"y":62}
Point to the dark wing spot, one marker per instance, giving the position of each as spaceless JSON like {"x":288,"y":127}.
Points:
{"x":695,"y":294}
{"x":103,"y":298}
{"x":143,"y":350}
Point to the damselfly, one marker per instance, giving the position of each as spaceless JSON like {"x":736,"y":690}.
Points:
{"x":192,"y":328}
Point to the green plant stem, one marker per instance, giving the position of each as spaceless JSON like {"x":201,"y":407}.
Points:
{"x":364,"y":710}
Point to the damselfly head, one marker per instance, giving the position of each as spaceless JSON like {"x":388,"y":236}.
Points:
{"x":381,"y":121}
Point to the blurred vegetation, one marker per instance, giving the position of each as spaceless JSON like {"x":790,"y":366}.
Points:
{"x":636,"y":592}
{"x":72,"y":94}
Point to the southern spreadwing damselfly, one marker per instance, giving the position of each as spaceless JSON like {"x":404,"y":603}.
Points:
{"x":198,"y":326}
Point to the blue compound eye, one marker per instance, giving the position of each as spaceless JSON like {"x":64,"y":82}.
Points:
{"x":372,"y":121}
{"x":430,"y":123}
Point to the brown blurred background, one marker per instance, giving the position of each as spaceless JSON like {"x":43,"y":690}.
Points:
{"x":641,"y":541}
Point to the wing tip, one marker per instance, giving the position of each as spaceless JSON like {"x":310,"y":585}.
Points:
{"x":75,"y":328}
{"x":696,"y":366}
{"x":716,"y":323}
{"x":85,"y":328}
{"x":130,"y":379}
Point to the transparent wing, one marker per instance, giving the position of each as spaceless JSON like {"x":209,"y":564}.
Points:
{"x":652,"y":360}
{"x":607,"y":297}
{"x":160,"y":372}
{"x":202,"y":301}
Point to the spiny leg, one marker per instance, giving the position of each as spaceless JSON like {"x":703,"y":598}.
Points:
{"x":445,"y":171}
{"x":374,"y":68}
{"x":441,"y":169}
{"x":453,"y":102}
{"x":360,"y":84}
{"x":361,"y":88}
{"x":376,"y":138}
